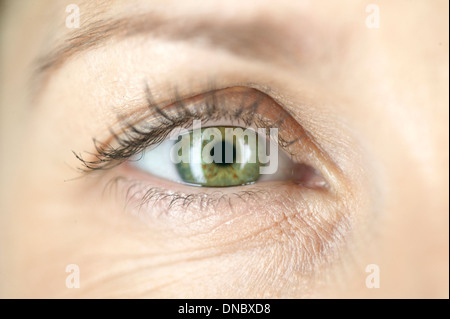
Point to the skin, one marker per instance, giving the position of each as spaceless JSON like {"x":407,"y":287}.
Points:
{"x":374,"y":101}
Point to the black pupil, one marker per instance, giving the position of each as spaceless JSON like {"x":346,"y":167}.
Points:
{"x":223,"y":149}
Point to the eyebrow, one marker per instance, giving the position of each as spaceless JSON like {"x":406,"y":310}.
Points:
{"x":257,"y":39}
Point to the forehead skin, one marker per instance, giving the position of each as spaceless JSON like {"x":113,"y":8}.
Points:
{"x":395,"y":79}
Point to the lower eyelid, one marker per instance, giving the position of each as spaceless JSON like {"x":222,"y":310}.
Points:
{"x":312,"y":224}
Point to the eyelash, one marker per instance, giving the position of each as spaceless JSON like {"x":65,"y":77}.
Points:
{"x":149,"y":195}
{"x":134,"y":140}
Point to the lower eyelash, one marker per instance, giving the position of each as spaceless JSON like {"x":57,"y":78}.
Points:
{"x":314,"y":233}
{"x":144,"y":195}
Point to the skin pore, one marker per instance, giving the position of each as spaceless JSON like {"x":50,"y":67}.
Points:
{"x":371,"y":104}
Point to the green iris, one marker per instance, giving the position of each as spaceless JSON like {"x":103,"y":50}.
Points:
{"x":219,"y":157}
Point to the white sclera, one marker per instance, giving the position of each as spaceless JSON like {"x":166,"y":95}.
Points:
{"x":157,"y":161}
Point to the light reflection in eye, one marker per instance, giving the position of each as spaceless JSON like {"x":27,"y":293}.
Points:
{"x":219,"y":161}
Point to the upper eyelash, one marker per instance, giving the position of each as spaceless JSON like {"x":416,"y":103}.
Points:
{"x":134,"y":139}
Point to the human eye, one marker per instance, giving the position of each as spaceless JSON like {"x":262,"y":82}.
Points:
{"x":232,"y":150}
{"x":227,"y":137}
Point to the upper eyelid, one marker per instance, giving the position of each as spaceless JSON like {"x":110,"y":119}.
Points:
{"x":105,"y":153}
{"x":161,"y":109}
{"x":209,"y":96}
